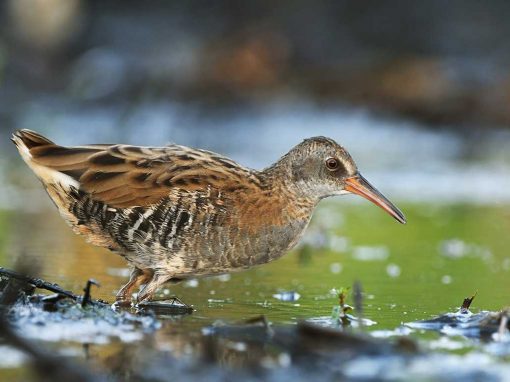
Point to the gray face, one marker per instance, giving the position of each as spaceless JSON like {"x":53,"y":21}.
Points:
{"x":320,"y":167}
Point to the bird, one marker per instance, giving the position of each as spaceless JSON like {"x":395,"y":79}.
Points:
{"x":176,"y":212}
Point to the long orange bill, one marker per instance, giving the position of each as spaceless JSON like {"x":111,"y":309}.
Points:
{"x":359,"y":185}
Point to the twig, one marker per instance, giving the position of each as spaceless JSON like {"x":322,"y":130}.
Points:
{"x":357,"y":295}
{"x":38,"y":283}
{"x":464,"y":309}
{"x":86,"y":297}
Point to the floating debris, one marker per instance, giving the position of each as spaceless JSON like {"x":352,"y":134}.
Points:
{"x":486,"y":325}
{"x":329,"y":322}
{"x":341,"y":314}
{"x":306,"y":342}
{"x":464,"y":308}
{"x":463,"y":318}
{"x":97,"y":324}
{"x":64,"y":316}
{"x":47,"y":365}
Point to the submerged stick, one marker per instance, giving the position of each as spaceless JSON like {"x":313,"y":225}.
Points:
{"x":38,"y":283}
{"x":86,"y":297}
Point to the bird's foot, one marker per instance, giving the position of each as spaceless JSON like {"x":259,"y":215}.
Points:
{"x":122,"y":303}
{"x":169,"y":306}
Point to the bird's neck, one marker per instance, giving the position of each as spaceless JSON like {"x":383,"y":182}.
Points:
{"x":273,"y":218}
{"x":280,"y":179}
{"x":278,"y":203}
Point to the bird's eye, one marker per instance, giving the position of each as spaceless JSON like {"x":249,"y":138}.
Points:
{"x":332,"y":163}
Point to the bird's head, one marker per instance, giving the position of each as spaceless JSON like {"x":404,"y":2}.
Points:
{"x":319,"y":167}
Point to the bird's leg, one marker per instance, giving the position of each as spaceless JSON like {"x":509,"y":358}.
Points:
{"x":147,"y":292}
{"x":137,"y":278}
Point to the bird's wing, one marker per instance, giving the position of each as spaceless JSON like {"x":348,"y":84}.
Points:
{"x":126,"y":176}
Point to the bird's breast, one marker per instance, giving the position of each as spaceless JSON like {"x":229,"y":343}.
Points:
{"x":195,"y":234}
{"x":250,"y":231}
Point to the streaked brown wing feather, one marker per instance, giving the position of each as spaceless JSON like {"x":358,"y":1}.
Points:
{"x":128,"y":176}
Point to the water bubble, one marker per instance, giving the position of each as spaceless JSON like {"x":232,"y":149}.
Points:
{"x":393,"y":270}
{"x":335,"y":268}
{"x":446,"y":279}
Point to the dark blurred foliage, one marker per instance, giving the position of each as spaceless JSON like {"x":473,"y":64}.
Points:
{"x":438,"y":61}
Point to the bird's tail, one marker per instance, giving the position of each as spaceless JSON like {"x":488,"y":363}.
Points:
{"x":54,"y":166}
{"x":28,"y":138}
{"x":31,"y":146}
{"x":25,"y":140}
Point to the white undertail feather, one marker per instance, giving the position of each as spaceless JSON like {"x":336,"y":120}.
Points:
{"x":56,"y":183}
{"x":45,"y":174}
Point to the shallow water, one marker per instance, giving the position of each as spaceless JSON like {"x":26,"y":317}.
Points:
{"x":410,"y":272}
{"x":455,"y":194}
